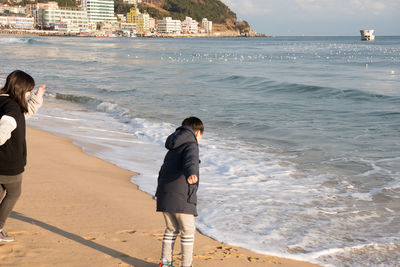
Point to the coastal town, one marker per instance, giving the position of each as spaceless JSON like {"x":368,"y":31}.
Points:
{"x":96,"y":18}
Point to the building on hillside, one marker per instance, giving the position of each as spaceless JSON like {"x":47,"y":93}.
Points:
{"x":207,"y":25}
{"x":6,"y":9}
{"x":99,"y":10}
{"x":132,"y":2}
{"x":3,"y":21}
{"x":92,"y":26}
{"x":152,"y":25}
{"x":128,"y":26}
{"x":121,"y":17}
{"x":109,"y":27}
{"x":145,"y":18}
{"x":78,"y":3}
{"x":32,"y":10}
{"x":169,"y":25}
{"x":17,"y":22}
{"x":190,"y":25}
{"x":142,"y":21}
{"x":63,"y":19}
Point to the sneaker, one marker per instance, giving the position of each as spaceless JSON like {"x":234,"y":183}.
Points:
{"x":4,"y":237}
{"x":165,"y":265}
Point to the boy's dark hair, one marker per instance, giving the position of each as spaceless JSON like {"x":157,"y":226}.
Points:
{"x":195,"y":123}
{"x":17,"y":84}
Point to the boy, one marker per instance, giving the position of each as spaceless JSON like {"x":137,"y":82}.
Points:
{"x":178,"y":181}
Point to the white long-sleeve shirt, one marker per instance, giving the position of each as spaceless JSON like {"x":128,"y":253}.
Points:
{"x":8,"y":123}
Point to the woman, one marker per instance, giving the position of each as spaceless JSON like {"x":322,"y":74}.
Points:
{"x":14,"y":109}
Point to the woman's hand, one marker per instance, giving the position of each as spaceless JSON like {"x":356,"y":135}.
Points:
{"x":42,"y":89}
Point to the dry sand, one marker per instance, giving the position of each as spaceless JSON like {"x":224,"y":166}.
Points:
{"x":78,"y":210}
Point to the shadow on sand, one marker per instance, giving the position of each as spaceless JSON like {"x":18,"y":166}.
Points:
{"x":109,"y":251}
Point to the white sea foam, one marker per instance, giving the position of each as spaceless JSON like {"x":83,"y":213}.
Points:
{"x":375,"y":254}
{"x":13,"y":40}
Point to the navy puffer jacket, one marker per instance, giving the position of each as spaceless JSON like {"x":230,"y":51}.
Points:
{"x":174,"y":193}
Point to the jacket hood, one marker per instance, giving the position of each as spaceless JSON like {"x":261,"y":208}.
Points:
{"x":181,"y":136}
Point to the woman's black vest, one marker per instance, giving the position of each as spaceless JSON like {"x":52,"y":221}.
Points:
{"x":13,"y":152}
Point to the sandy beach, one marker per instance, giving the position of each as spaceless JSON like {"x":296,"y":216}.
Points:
{"x":78,"y":210}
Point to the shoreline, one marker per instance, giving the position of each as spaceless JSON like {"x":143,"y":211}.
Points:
{"x":102,"y":220}
{"x":15,"y":32}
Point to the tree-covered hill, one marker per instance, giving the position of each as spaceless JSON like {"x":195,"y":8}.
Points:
{"x":213,"y":10}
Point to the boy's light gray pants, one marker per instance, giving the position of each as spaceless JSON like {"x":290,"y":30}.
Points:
{"x":178,"y":223}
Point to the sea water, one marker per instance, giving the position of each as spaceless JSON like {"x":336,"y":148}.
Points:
{"x":301,"y":150}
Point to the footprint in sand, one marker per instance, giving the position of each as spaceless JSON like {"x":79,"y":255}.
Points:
{"x":13,"y":250}
{"x":119,"y":240}
{"x":22,"y":233}
{"x":129,"y":231}
{"x":19,"y":233}
{"x":122,"y":264}
{"x":90,"y":238}
{"x":123,"y":232}
{"x":224,"y":252}
{"x":159,"y":235}
{"x":150,"y":260}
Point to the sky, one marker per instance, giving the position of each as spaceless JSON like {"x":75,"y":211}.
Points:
{"x":319,"y":17}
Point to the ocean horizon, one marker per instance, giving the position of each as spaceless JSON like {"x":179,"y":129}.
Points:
{"x":300,"y":155}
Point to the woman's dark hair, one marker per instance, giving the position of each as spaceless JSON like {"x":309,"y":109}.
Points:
{"x":17,"y":84}
{"x":195,"y":123}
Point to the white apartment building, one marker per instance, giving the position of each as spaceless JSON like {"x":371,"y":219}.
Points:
{"x":99,"y":10}
{"x":146,"y":22}
{"x":12,"y":9}
{"x":33,"y":9}
{"x":152,"y":25}
{"x":169,"y":25}
{"x":207,"y":25}
{"x":63,"y":19}
{"x":128,"y":26}
{"x":190,"y":25}
{"x":17,"y":22}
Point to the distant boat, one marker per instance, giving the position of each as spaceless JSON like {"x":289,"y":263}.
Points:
{"x":367,"y":35}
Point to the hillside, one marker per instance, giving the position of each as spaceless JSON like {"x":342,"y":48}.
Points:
{"x":214,"y":10}
{"x":223,"y":18}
